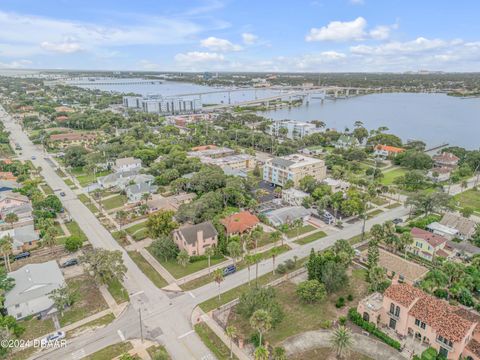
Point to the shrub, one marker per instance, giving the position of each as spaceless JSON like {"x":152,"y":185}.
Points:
{"x":429,"y":354}
{"x":281,"y":269}
{"x":290,"y":264}
{"x":73,"y":243}
{"x":441,"y":293}
{"x":326,"y":324}
{"x":342,"y":320}
{"x":311,"y":291}
{"x":340,"y":302}
{"x":255,"y":339}
{"x":350,"y":297}
{"x":356,"y":318}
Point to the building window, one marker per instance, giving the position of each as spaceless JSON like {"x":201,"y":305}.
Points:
{"x":392,"y":308}
{"x":397,"y":311}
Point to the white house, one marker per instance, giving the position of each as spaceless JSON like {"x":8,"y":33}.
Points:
{"x":127,"y":164}
{"x":293,"y":196}
{"x":135,"y":192}
{"x":287,"y":215}
{"x":33,"y":285}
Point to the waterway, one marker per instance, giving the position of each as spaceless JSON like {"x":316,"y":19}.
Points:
{"x":433,"y":118}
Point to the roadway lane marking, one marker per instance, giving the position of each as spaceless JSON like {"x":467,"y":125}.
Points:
{"x":191,"y":294}
{"x":138,"y":293}
{"x":121,"y":335}
{"x":186,"y":334}
{"x":78,"y":354}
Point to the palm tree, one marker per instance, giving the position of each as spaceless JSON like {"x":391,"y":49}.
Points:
{"x":341,"y":341}
{"x":146,"y":196}
{"x":275,"y":236}
{"x":256,"y":259}
{"x":209,"y":252}
{"x":274,"y":252}
{"x":48,"y":240}
{"x":183,"y":258}
{"x":235,"y":250}
{"x":261,"y":321}
{"x":279,"y":353}
{"x":6,"y":249}
{"x":218,"y":278}
{"x":249,"y":260}
{"x":232,"y":334}
{"x":261,"y":353}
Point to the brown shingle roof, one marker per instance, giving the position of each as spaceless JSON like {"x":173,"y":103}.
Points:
{"x":431,"y":238}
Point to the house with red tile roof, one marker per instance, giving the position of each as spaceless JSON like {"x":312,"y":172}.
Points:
{"x":240,"y":222}
{"x":452,"y":330}
{"x":445,"y":159}
{"x":385,"y":151}
{"x":204,"y":147}
{"x":428,"y":245}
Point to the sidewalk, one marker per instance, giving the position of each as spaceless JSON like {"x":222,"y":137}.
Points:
{"x":157,"y":266}
{"x":112,"y":304}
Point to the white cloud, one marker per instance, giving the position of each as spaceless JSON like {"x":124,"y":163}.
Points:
{"x":148,"y":65}
{"x":249,"y":38}
{"x":357,"y":2}
{"x":199,"y":57}
{"x":420,"y":44}
{"x":380,"y":32}
{"x":339,"y":31}
{"x":217,"y":44}
{"x":17,"y":64}
{"x":63,"y":47}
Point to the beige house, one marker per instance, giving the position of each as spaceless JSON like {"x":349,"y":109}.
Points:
{"x":428,"y":245}
{"x":195,"y":239}
{"x":294,"y":167}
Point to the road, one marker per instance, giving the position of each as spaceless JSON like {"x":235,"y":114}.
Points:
{"x":166,"y":317}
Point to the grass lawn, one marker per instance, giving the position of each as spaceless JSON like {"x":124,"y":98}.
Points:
{"x":158,"y":352}
{"x":178,"y":271}
{"x":358,"y":238}
{"x":119,"y":293}
{"x":111,"y":352}
{"x":35,"y":328}
{"x":393,"y":205}
{"x":69,"y":182}
{"x":114,"y":202}
{"x":324,"y":353}
{"x":59,"y":230}
{"x":117,"y":235}
{"x":147,"y":269}
{"x":300,"y":231}
{"x":87,"y":179}
{"x":46,"y":189}
{"x":88,"y":203}
{"x":379,"y":201}
{"x":373,"y":213}
{"x":75,"y":230}
{"x":89,"y":300}
{"x":240,"y":265}
{"x":310,"y":238}
{"x":469,"y":198}
{"x":138,"y":231}
{"x":100,"y":322}
{"x":213,"y":342}
{"x":300,"y":316}
{"x":390,"y":175}
{"x":60,"y":173}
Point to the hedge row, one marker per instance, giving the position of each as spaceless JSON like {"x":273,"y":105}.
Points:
{"x":357,"y":319}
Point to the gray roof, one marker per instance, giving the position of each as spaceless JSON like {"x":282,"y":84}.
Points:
{"x":463,"y":225}
{"x":140,"y":188}
{"x":33,"y":281}
{"x":111,"y":178}
{"x":127,"y":161}
{"x":287,"y":214}
{"x":21,"y":235}
{"x":13,"y":195}
{"x":278,"y":161}
{"x":20,"y":209}
{"x":10,"y":184}
{"x":464,"y":246}
{"x":190,"y":232}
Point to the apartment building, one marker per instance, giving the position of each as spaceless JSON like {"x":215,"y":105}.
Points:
{"x":293,"y":167}
{"x":294,"y":129}
{"x":452,"y":330}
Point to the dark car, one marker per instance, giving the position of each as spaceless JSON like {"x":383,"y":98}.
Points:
{"x":22,"y":255}
{"x":62,"y":194}
{"x":230,"y":269}
{"x":70,"y":262}
{"x":397,"y":221}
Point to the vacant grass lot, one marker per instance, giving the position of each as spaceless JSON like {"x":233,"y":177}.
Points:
{"x":114,"y":202}
{"x":147,"y":269}
{"x":311,"y":238}
{"x":87,"y":179}
{"x":119,"y":293}
{"x":111,"y":352}
{"x":138,"y":231}
{"x":469,"y":198}
{"x":88,"y":203}
{"x":75,"y":230}
{"x":390,"y":175}
{"x":89,"y":300}
{"x":213,"y":342}
{"x":300,"y":316}
{"x":300,"y":231}
{"x":35,"y":328}
{"x":325,"y":353}
{"x":178,"y":271}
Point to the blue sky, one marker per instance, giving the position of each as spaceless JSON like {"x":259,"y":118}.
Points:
{"x":261,"y":35}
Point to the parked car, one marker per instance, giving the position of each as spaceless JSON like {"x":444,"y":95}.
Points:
{"x":397,"y":221}
{"x":22,"y":255}
{"x":33,"y":157}
{"x":230,"y":269}
{"x":69,"y":262}
{"x":62,"y":194}
{"x":58,"y":335}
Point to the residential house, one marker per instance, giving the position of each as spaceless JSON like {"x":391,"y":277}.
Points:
{"x":287,"y":215}
{"x":23,"y":212}
{"x":427,"y":245}
{"x":293,"y":196}
{"x":127,"y":164}
{"x":312,"y":150}
{"x":439,"y":174}
{"x":7,"y":175}
{"x":384,"y":151}
{"x":239,"y":223}
{"x":64,"y":109}
{"x":293,"y":167}
{"x":346,"y":142}
{"x":465,"y":227}
{"x":195,"y":239}
{"x":451,"y":330}
{"x":9,"y":200}
{"x":23,"y":238}
{"x":238,"y":162}
{"x":123,"y":181}
{"x":8,"y":185}
{"x":446,"y":159}
{"x":210,"y":151}
{"x":464,"y":249}
{"x":229,"y":171}
{"x":33,"y":285}
{"x":336,"y":184}
{"x":136,"y":191}
{"x":117,"y":179}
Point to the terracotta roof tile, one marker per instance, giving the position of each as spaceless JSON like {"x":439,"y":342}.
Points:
{"x":403,"y":294}
{"x":431,"y":238}
{"x":240,"y":222}
{"x":474,"y":346}
{"x":390,"y":149}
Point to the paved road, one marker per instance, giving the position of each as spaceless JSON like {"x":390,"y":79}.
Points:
{"x":166,"y":319}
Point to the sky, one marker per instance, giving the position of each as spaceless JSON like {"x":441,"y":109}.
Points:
{"x":241,"y":35}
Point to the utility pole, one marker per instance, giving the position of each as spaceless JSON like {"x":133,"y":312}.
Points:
{"x":141,"y":326}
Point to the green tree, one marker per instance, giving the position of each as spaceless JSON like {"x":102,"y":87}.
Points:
{"x":232,"y":333}
{"x":279,"y":353}
{"x":104,"y":265}
{"x":344,"y":251}
{"x":183,"y":258}
{"x":467,"y":211}
{"x":165,"y":248}
{"x":341,"y":342}
{"x":73,"y":243}
{"x":274,"y":252}
{"x":373,"y":254}
{"x":261,"y":321}
{"x":234,"y":250}
{"x":161,"y":223}
{"x":261,"y":353}
{"x":311,"y":291}
{"x":6,"y":249}
{"x":249,"y":261}
{"x":376,"y":278}
{"x":218,"y":278}
{"x":209,"y":252}
{"x":63,"y":297}
{"x":275,"y":236}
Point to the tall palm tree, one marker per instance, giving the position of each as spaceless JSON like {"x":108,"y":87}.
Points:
{"x":209,"y":252}
{"x":274,"y":252}
{"x":249,"y":260}
{"x":261,"y":321}
{"x":275,"y":236}
{"x":256,"y":259}
{"x":341,"y":341}
{"x":218,"y":278}
{"x":232,"y":334}
{"x":183,"y":258}
{"x":6,"y":249}
{"x":235,"y":250}
{"x":262,"y":353}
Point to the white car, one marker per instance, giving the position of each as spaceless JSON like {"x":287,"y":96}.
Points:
{"x":52,"y":337}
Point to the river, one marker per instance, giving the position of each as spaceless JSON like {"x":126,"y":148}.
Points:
{"x":433,"y":118}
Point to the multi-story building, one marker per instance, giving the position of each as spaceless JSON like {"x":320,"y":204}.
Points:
{"x":293,"y":196}
{"x":294,"y":129}
{"x":452,"y":330}
{"x":160,"y":105}
{"x":294,"y":167}
{"x":197,"y":238}
{"x":428,"y":245}
{"x":445,"y":159}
